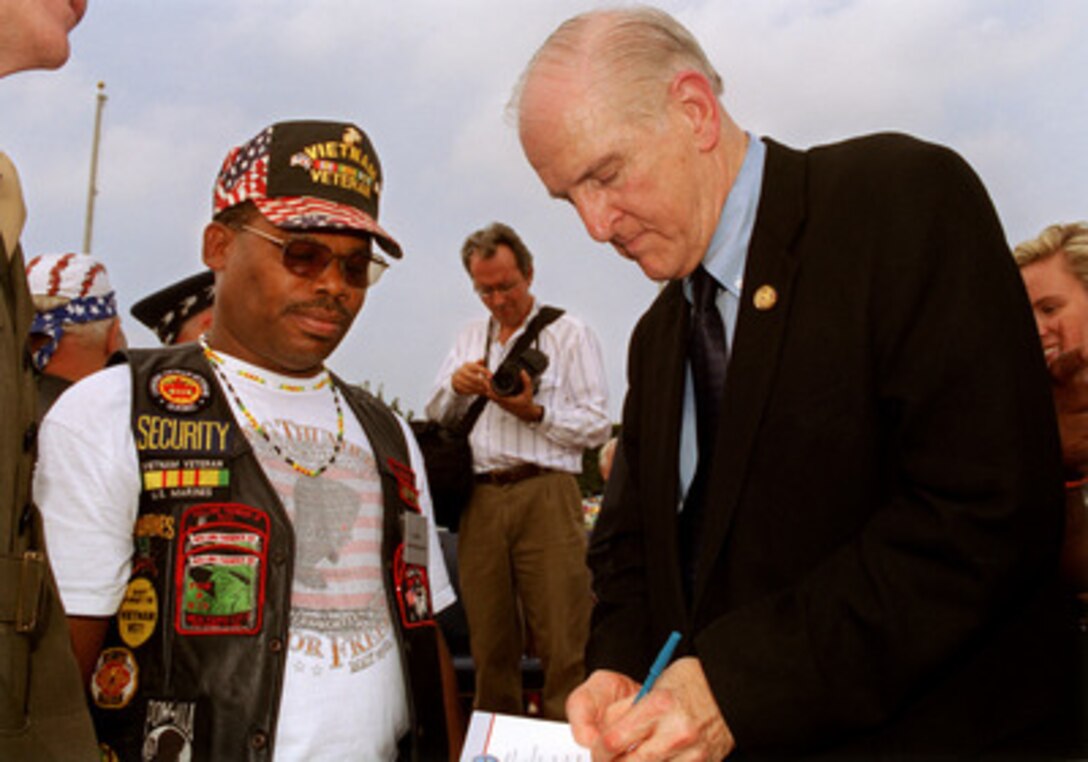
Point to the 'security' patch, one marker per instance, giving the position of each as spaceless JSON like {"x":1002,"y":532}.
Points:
{"x":170,"y":434}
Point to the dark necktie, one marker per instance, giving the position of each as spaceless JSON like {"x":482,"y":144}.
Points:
{"x":708,"y":355}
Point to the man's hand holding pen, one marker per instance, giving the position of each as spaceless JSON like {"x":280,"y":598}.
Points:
{"x":677,"y":720}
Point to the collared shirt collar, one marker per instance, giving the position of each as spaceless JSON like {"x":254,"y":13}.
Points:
{"x":493,"y":326}
{"x":725,"y":259}
{"x":728,"y":251}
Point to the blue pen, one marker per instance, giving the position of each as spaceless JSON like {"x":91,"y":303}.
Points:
{"x":659,"y":664}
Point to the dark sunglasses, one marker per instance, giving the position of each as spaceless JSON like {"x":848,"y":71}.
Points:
{"x":308,"y":259}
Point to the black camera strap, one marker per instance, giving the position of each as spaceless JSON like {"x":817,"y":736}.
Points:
{"x":540,"y":321}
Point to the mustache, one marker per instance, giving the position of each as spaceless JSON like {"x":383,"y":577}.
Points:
{"x":325,"y":304}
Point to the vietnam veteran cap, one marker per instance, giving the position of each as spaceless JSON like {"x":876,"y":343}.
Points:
{"x":307,"y":175}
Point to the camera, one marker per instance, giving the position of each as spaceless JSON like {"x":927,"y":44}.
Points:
{"x":506,"y":380}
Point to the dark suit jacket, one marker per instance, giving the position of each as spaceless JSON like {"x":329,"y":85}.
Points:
{"x":885,"y":505}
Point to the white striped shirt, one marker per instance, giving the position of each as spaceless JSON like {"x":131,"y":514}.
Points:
{"x":573,"y":391}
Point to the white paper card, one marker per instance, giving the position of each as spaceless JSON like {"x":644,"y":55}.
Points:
{"x":504,"y":738}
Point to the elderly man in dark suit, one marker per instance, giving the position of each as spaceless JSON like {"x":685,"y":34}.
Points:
{"x":838,"y":473}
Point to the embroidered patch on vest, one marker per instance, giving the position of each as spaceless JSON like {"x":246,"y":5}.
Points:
{"x":150,"y":528}
{"x":169,"y":730}
{"x":184,"y":479}
{"x":180,"y":391}
{"x":171,"y":478}
{"x":160,"y":525}
{"x":139,"y":612}
{"x":143,"y":562}
{"x":406,"y":483}
{"x":222,"y":569}
{"x":106,"y":753}
{"x":168,"y":434}
{"x":413,"y":592}
{"x":115,"y":678}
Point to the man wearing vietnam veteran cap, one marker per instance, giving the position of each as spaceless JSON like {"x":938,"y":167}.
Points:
{"x":182,"y":311}
{"x":279,"y":597}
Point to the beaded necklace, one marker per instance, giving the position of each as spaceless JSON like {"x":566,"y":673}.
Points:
{"x":217,"y":362}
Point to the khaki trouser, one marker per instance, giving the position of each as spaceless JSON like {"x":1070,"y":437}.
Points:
{"x":525,"y":543}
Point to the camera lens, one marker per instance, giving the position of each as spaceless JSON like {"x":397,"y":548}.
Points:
{"x":506,"y":381}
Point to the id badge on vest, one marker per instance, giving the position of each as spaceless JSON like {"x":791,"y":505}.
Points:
{"x":415,"y":539}
{"x":410,"y":573}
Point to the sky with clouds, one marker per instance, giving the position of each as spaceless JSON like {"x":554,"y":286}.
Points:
{"x":1001,"y":81}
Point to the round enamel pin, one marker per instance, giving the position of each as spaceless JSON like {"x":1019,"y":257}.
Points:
{"x":180,"y":391}
{"x":765,"y":298}
{"x":115,"y":678}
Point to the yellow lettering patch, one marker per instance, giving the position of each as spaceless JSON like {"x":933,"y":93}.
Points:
{"x":166,"y":433}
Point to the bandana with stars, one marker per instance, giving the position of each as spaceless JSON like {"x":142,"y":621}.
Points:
{"x":78,"y":291}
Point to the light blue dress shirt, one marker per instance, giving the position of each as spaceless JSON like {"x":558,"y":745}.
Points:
{"x":724,"y":259}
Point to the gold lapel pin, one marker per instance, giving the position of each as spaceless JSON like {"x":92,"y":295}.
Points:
{"x":765,"y":298}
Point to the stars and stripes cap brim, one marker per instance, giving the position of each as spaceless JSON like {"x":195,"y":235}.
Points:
{"x":309,"y":213}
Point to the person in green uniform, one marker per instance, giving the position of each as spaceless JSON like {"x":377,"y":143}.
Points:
{"x":43,"y":715}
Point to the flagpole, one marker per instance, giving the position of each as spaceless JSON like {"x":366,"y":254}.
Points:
{"x":92,"y":190}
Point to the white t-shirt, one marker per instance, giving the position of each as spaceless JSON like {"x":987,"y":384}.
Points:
{"x":343,"y":694}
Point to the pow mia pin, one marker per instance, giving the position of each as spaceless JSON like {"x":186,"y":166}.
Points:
{"x":169,"y":730}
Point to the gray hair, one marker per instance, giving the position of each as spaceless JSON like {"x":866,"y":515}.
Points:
{"x":486,"y":241}
{"x":637,"y":51}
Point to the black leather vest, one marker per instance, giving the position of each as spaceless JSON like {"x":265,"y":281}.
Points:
{"x":195,"y":656}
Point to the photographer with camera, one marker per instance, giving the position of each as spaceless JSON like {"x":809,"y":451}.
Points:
{"x":522,"y":542}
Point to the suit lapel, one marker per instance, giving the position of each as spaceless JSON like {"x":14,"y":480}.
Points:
{"x":761,"y":324}
{"x":664,"y":394}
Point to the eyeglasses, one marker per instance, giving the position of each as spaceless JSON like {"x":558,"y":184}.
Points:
{"x":308,"y":259}
{"x":487,"y":292}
